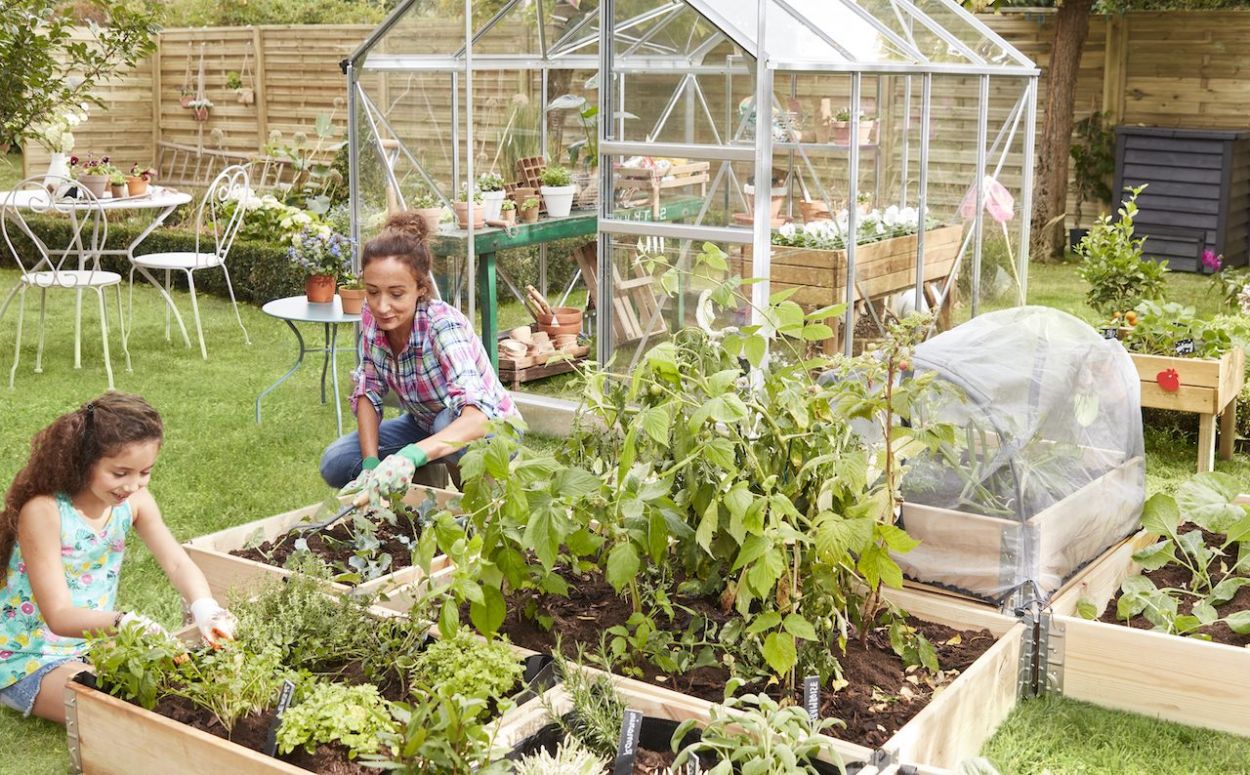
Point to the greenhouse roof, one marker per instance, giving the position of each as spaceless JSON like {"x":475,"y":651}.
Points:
{"x":829,"y":35}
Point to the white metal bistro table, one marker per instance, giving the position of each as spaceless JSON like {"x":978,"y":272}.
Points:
{"x":297,"y":309}
{"x":161,"y":200}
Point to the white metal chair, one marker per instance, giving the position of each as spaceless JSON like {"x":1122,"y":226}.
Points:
{"x":88,"y":231}
{"x":213,"y":216}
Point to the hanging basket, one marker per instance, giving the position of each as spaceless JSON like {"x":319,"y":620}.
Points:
{"x":200,"y":114}
{"x":245,"y":95}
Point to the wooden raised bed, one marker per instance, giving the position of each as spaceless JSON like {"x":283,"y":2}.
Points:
{"x":977,"y":556}
{"x":1196,"y":682}
{"x":881,"y":268}
{"x":1208,"y":387}
{"x":226,"y":572}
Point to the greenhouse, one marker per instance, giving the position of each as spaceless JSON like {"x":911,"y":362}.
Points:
{"x":941,"y":109}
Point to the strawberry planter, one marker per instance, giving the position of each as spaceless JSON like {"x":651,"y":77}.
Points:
{"x":216,"y":554}
{"x":1205,"y":386}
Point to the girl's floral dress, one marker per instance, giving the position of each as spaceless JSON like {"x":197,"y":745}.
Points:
{"x":92,"y":561}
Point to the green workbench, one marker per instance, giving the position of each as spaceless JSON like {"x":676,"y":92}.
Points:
{"x":487,"y":242}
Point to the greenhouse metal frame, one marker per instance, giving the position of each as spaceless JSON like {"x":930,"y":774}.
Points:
{"x":905,"y":43}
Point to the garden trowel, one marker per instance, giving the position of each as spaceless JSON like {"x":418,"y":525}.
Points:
{"x":361,"y":499}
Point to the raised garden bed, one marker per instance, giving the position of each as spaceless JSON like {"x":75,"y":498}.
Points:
{"x":1206,"y":386}
{"x":1112,"y":664}
{"x":975,"y":556}
{"x":231,"y":559}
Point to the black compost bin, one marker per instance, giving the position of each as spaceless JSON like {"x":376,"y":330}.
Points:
{"x":1198,"y":195}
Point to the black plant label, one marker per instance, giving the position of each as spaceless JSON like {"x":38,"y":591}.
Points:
{"x":811,"y":696}
{"x":627,"y":748}
{"x":1184,"y":346}
{"x":1110,"y":333}
{"x":284,"y":700}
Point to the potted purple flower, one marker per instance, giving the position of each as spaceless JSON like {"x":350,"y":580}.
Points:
{"x":324,"y":256}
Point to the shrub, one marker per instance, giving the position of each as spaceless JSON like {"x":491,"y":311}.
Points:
{"x":1119,"y":278}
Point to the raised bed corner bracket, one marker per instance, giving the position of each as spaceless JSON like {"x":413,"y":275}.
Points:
{"x":1041,"y":655}
{"x":71,"y":731}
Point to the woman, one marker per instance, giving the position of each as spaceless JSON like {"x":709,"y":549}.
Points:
{"x":425,"y":351}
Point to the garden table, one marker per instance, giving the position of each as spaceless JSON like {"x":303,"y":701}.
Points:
{"x":162,"y":201}
{"x":297,"y":309}
{"x":451,"y":240}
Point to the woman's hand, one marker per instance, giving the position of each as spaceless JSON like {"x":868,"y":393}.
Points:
{"x":356,"y":485}
{"x":395,"y":473}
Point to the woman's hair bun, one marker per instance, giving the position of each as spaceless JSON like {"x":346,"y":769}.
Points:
{"x":409,"y":224}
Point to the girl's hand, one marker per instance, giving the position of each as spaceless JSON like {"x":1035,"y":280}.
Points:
{"x":131,"y":619}
{"x":216,"y":624}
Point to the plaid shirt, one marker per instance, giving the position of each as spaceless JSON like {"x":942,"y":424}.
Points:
{"x":443,"y":366}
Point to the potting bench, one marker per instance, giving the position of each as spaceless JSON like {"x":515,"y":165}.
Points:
{"x":487,"y":242}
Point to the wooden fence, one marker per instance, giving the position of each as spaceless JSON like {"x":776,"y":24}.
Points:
{"x":1166,"y":69}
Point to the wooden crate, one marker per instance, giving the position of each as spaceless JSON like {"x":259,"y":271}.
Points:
{"x":881,"y":268}
{"x":1208,"y":387}
{"x":649,"y":182}
{"x":226,"y":572}
{"x":963,"y":553}
{"x":517,"y":371}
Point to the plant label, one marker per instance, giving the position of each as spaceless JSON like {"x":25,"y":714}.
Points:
{"x":811,"y":696}
{"x":284,"y":700}
{"x":1110,"y":333}
{"x":627,"y":748}
{"x":1185,"y":347}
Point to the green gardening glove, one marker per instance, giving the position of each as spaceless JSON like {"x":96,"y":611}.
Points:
{"x":395,"y":473}
{"x":366,"y":473}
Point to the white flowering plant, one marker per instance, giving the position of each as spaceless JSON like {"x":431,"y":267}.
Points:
{"x":873,"y":226}
{"x":268,"y":218}
{"x":58,"y":134}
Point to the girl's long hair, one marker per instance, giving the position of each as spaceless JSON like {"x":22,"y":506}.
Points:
{"x":62,"y":455}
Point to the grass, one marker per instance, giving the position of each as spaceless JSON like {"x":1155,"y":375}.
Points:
{"x":1065,"y":737}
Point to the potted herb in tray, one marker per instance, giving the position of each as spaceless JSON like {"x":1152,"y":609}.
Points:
{"x":351,"y":294}
{"x":93,"y":174}
{"x":138,"y":179}
{"x":557,"y":190}
{"x":490,"y":185}
{"x":529,"y":210}
{"x":461,"y":207}
{"x":117,"y":183}
{"x":429,"y":206}
{"x":507,"y":211}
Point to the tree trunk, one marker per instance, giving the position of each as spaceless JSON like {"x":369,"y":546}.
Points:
{"x":1050,"y":191}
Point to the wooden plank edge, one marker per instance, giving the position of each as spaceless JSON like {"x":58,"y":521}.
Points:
{"x":1101,"y":579}
{"x":1185,"y":680}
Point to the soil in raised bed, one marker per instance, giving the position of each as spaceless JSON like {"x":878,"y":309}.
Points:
{"x":1178,"y":577}
{"x":338,"y":549}
{"x":252,"y":731}
{"x":593,"y":607}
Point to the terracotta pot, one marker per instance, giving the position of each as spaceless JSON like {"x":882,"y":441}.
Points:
{"x":774,"y":206}
{"x":508,"y":216}
{"x":564,"y":315}
{"x":814,"y":211}
{"x":431,"y":216}
{"x":529,"y":215}
{"x":319,"y":288}
{"x":521,"y":193}
{"x":245,"y":95}
{"x":136,"y":186}
{"x":563,"y":328}
{"x":96,"y":184}
{"x":185,"y":100}
{"x":200,"y":114}
{"x":352,"y":299}
{"x":118,"y":190}
{"x":462,"y":215}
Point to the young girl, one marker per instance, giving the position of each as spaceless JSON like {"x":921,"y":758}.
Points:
{"x":424,"y":350}
{"x":62,"y":535}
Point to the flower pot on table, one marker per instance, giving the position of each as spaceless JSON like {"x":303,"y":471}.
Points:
{"x":559,"y":199}
{"x":319,"y":288}
{"x":491,"y":203}
{"x":96,"y":184}
{"x":118,"y":190}
{"x":352,"y":299}
{"x":462,"y":215}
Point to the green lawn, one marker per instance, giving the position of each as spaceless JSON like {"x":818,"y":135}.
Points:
{"x":220,"y":468}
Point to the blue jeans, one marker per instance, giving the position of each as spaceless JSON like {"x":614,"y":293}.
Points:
{"x":341,"y":462}
{"x":21,"y":696}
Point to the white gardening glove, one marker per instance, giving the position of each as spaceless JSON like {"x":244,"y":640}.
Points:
{"x":216,"y":624}
{"x":147,"y":626}
{"x":394,"y":474}
{"x":366,"y":473}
